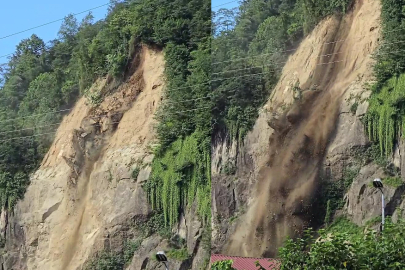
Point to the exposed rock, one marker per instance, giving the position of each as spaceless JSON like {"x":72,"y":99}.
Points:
{"x":253,"y":156}
{"x":59,"y":225}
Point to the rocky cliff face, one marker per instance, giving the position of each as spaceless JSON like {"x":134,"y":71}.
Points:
{"x":300,"y":141}
{"x":87,"y":193}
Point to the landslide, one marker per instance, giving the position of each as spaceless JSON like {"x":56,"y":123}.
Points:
{"x":332,"y":60}
{"x":84,"y":194}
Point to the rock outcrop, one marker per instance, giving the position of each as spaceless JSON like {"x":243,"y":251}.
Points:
{"x":84,"y":197}
{"x":297,"y":143}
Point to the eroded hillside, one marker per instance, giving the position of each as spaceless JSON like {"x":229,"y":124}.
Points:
{"x":87,"y":195}
{"x":304,"y":135}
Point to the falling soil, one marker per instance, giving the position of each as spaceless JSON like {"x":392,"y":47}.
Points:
{"x":287,"y":185}
{"x":77,"y":220}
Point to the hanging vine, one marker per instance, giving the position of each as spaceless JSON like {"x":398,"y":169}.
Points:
{"x":386,"y":114}
{"x":179,"y":177}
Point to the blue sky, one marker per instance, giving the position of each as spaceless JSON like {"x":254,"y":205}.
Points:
{"x":16,"y":16}
{"x":223,"y":4}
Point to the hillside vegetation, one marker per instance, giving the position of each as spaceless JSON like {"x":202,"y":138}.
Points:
{"x":249,"y":47}
{"x":342,"y":244}
{"x":41,"y":82}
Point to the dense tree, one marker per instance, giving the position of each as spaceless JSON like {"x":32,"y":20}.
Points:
{"x":248,"y":50}
{"x":40,"y":80}
{"x":346,"y":246}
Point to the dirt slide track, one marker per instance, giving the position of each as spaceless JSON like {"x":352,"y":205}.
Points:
{"x":287,"y":184}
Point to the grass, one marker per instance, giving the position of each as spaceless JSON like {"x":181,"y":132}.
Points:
{"x":374,"y":221}
{"x":395,"y":182}
{"x":343,"y":225}
{"x":178,"y":254}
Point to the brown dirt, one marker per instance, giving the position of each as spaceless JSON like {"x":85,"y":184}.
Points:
{"x":287,"y":184}
{"x":76,"y":220}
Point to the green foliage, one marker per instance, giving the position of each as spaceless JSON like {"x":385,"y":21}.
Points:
{"x":328,"y":215}
{"x":114,"y":260}
{"x":222,"y":265}
{"x":153,"y":224}
{"x":332,"y":193}
{"x":180,"y":170}
{"x":106,"y":261}
{"x":41,"y":79}
{"x":179,"y":176}
{"x":135,"y":173}
{"x":178,"y":254}
{"x":249,"y":47}
{"x":385,"y":116}
{"x":353,"y":108}
{"x":341,"y":250}
{"x":129,"y":249}
{"x":342,"y":224}
{"x":394,"y":182}
{"x":38,"y":80}
{"x":206,"y":237}
{"x":229,"y":168}
{"x":374,"y":221}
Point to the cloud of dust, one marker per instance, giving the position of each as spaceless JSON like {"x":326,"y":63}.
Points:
{"x":286,"y":186}
{"x":76,"y":221}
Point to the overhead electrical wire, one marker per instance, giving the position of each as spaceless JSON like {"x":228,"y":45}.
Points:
{"x":56,"y":130}
{"x":275,"y":63}
{"x":184,"y":86}
{"x":190,"y":86}
{"x":168,"y":102}
{"x":75,"y":14}
{"x":51,"y":22}
{"x":195,"y":109}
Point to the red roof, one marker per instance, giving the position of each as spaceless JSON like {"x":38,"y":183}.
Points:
{"x":243,"y":263}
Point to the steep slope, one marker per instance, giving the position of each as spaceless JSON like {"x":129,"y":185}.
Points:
{"x":299,"y":131}
{"x":83,"y":197}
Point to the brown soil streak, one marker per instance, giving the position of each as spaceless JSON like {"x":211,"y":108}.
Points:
{"x":287,"y":185}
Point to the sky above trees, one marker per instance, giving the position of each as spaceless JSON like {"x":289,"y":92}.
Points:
{"x":16,"y":16}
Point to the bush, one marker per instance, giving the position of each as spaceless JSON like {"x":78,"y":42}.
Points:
{"x":222,"y":265}
{"x":109,"y":260}
{"x":341,"y":250}
{"x":178,"y":254}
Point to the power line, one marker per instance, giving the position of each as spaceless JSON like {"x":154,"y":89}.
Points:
{"x":48,"y":23}
{"x":6,"y":132}
{"x":190,"y":86}
{"x":74,"y":14}
{"x":118,"y":122}
{"x":29,"y":116}
{"x":275,"y":63}
{"x":225,"y":4}
{"x":201,"y":84}
{"x":292,"y":50}
{"x":327,"y":43}
{"x":261,"y":73}
{"x":65,"y":110}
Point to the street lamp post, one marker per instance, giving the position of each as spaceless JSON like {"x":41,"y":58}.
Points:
{"x":378,"y":184}
{"x":161,"y":257}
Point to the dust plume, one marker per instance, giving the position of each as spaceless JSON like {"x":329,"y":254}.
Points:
{"x":287,"y":185}
{"x":84,"y":202}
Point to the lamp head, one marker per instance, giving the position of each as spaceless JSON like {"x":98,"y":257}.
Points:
{"x":377,"y":183}
{"x":161,"y":256}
